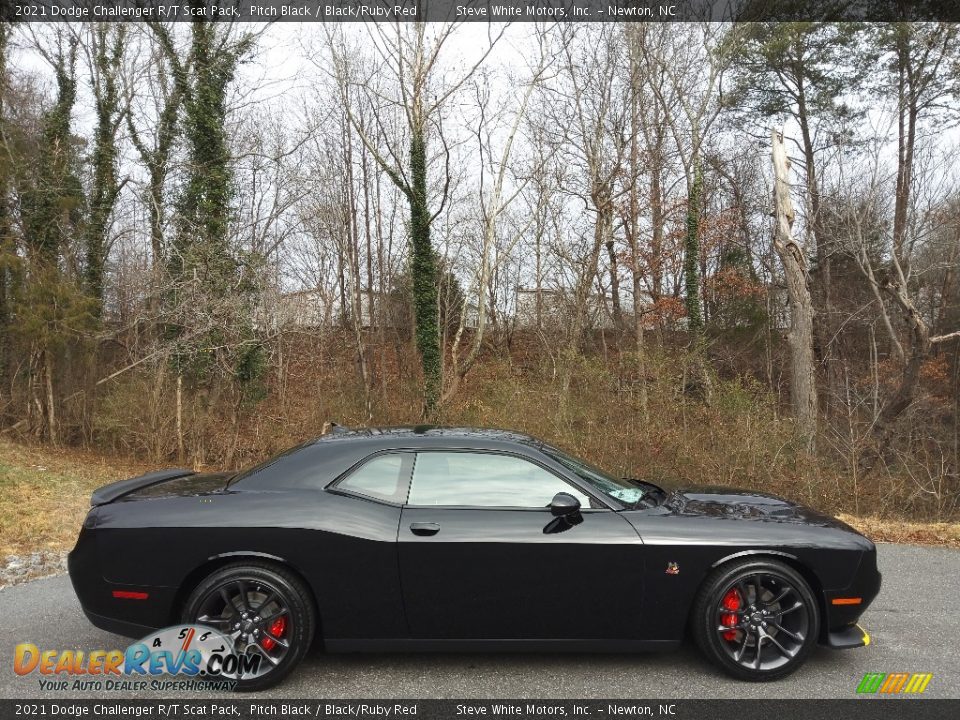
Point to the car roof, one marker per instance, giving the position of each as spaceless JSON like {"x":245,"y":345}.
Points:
{"x":342,"y":447}
{"x":428,"y":434}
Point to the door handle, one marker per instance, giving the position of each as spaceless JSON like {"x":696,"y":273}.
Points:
{"x":424,"y":528}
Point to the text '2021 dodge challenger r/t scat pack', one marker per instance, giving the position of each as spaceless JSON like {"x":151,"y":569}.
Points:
{"x":426,"y":538}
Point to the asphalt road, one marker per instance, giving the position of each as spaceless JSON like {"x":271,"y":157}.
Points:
{"x":914,"y":624}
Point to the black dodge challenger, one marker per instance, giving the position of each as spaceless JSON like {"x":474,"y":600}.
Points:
{"x":446,"y":539}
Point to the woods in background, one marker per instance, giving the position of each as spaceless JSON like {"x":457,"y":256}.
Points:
{"x":569,"y":230}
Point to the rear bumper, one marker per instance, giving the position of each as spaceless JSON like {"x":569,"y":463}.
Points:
{"x":129,"y":616}
{"x":118,"y":627}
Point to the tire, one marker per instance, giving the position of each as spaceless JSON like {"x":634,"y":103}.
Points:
{"x":289,"y":611}
{"x":729,"y":625}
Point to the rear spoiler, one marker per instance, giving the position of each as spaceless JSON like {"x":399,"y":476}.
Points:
{"x":114,"y":491}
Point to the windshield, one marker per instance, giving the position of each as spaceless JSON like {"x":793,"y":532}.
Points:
{"x":620,"y":489}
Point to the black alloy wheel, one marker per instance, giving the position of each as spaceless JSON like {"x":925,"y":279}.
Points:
{"x":267,"y":614}
{"x":757,"y":619}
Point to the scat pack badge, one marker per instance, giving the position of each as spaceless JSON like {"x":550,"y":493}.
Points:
{"x":673,"y":568}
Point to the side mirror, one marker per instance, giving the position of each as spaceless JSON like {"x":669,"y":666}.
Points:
{"x":564,"y":504}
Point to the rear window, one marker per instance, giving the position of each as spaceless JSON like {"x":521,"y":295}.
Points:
{"x":382,"y":477}
{"x":310,"y":466}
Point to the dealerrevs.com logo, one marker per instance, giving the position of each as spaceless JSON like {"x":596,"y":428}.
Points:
{"x":894,"y":683}
{"x":198,"y":656}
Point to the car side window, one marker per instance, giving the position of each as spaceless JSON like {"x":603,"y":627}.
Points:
{"x":476,"y":479}
{"x":381,"y":478}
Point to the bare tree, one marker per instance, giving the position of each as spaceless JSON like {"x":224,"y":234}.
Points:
{"x":793,"y":257}
{"x":154,"y":101}
{"x":585,"y":113}
{"x":495,"y":201}
{"x":891,"y":275}
{"x":410,"y":53}
{"x":693,"y":60}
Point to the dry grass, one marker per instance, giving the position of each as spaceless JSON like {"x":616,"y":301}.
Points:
{"x":45,"y":494}
{"x":899,"y":531}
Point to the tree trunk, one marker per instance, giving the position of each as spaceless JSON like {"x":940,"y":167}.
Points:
{"x":179,"y":419}
{"x":632,"y":229}
{"x":424,"y":274}
{"x":691,"y":260}
{"x":825,"y":334}
{"x":105,"y":185}
{"x":615,"y":288}
{"x":53,"y":430}
{"x":356,"y":292}
{"x":907,"y":113}
{"x":803,"y":392}
{"x":6,"y":233}
{"x":656,"y":231}
{"x":602,"y":229}
{"x":697,"y":381}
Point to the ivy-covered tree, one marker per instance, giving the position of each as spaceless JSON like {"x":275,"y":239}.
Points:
{"x":200,"y":245}
{"x":201,"y":253}
{"x":53,"y":206}
{"x":209,"y":299}
{"x":7,"y":246}
{"x":52,"y":307}
{"x":156,"y":146}
{"x":106,"y":49}
{"x":691,"y":253}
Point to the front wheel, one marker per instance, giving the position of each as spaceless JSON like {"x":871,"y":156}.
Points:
{"x":265,"y":611}
{"x":756,"y":619}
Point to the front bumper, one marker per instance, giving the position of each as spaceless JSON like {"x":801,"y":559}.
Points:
{"x":850,"y":637}
{"x":845,"y":606}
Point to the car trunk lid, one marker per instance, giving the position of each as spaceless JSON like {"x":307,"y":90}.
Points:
{"x":122,"y":488}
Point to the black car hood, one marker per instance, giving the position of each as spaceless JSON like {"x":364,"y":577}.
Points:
{"x":729,"y":503}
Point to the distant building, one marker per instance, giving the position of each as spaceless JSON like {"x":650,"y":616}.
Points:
{"x":305,"y":308}
{"x":315,"y":309}
{"x":557,"y":306}
{"x":471,"y":319}
{"x":301,"y":309}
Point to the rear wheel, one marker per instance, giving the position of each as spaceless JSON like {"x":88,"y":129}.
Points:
{"x":265,"y":611}
{"x":756,"y":619}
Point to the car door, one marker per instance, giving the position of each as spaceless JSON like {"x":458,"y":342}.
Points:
{"x":357,"y":579}
{"x":482,"y":556}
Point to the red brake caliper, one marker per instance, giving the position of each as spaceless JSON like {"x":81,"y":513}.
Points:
{"x":731,"y":601}
{"x":278,"y":628}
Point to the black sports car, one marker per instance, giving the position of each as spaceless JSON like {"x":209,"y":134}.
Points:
{"x":427,"y":538}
